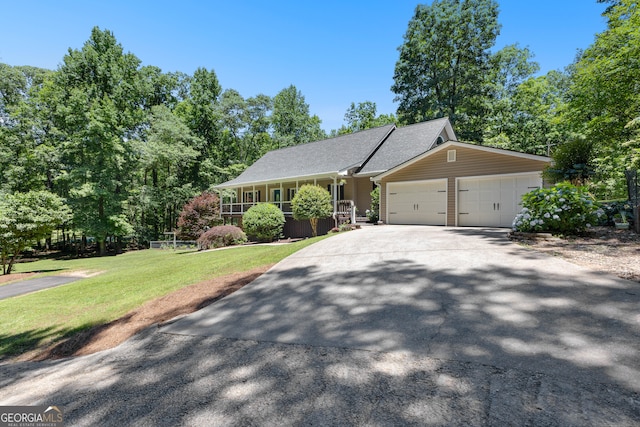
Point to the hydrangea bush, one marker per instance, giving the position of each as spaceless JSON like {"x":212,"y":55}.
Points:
{"x":563,"y":209}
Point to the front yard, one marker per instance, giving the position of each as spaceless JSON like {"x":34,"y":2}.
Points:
{"x":130,"y":292}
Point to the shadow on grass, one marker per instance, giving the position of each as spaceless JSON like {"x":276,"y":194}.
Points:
{"x":24,"y":342}
{"x":88,"y":339}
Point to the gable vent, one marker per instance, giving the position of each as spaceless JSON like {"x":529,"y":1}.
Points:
{"x":451,"y":155}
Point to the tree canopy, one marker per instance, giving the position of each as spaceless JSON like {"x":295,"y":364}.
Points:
{"x":443,"y":64}
{"x":26,"y":218}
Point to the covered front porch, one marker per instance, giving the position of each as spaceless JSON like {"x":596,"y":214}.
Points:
{"x":350,"y":196}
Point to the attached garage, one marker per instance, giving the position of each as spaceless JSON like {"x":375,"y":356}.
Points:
{"x":459,"y":184}
{"x":418,"y":202}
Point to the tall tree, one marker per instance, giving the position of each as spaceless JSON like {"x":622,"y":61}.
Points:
{"x":444,"y":63}
{"x":257,"y":137}
{"x":604,"y":95}
{"x":26,"y":155}
{"x":364,"y":116}
{"x":166,"y":156}
{"x":292,"y":123}
{"x":511,"y":65}
{"x":201,"y":114}
{"x":97,"y":107}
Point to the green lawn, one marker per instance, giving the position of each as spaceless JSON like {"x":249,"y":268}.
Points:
{"x":126,"y":282}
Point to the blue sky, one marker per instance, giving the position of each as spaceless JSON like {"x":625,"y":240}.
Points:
{"x":334,"y":52}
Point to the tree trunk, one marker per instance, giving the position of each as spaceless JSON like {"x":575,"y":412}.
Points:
{"x":102,"y":247}
{"x":314,"y":226}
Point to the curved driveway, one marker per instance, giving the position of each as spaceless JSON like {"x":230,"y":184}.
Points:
{"x":386,"y":325}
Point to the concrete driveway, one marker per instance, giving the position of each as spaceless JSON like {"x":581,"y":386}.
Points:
{"x":386,"y":325}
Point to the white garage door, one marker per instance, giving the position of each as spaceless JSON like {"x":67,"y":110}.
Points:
{"x":493,"y":201}
{"x":417,"y":202}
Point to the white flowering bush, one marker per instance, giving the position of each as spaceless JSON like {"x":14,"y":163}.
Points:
{"x":563,"y":209}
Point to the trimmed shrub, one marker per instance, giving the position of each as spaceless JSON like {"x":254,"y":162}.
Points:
{"x":221,"y":235}
{"x":563,"y":209}
{"x":312,"y":203}
{"x":263,"y":222}
{"x":200,"y":214}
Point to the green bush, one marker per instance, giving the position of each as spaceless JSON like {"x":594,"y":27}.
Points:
{"x":572,"y":161}
{"x":312,"y":203}
{"x":372,"y":214}
{"x":263,"y":222}
{"x":563,"y":209}
{"x":221,"y":235}
{"x":615,"y":210}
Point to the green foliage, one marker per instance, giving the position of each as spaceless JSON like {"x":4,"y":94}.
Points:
{"x":572,"y":161}
{"x":444,"y":63}
{"x":263,"y":222}
{"x":220,"y":236}
{"x":374,"y":212}
{"x":311,"y":203}
{"x":616,"y":211}
{"x":95,"y":104}
{"x":563,"y":209}
{"x":200,"y":214}
{"x":26,"y":218}
{"x":604,"y":96}
{"x":292,"y":124}
{"x":363,"y":116}
{"x":167,"y":155}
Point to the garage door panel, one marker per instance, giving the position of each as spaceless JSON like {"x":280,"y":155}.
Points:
{"x":417,"y":203}
{"x":493,"y":201}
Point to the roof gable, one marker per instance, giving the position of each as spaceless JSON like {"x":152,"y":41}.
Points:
{"x":452,"y":144}
{"x":406,"y":143}
{"x":314,"y":158}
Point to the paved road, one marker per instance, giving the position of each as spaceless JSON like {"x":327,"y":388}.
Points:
{"x":382,"y":326}
{"x":33,"y":285}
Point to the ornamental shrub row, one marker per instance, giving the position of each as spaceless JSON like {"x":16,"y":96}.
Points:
{"x":562,"y":209}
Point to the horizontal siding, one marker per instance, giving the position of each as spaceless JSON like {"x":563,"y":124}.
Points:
{"x":469,"y":162}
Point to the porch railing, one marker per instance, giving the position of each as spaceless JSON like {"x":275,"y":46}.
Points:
{"x":346,"y":209}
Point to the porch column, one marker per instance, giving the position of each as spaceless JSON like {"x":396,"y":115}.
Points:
{"x":335,"y":200}
{"x":242,"y":200}
{"x":281,"y":196}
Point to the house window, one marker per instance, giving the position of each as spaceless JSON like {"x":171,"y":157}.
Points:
{"x":340,"y":191}
{"x":292,"y":193}
{"x":451,"y":155}
{"x":276,"y":195}
{"x":251,"y":196}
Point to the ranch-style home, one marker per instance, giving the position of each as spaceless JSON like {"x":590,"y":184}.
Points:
{"x":425,"y":175}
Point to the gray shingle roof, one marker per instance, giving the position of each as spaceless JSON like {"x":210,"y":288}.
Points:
{"x":321,"y":157}
{"x":405,"y":143}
